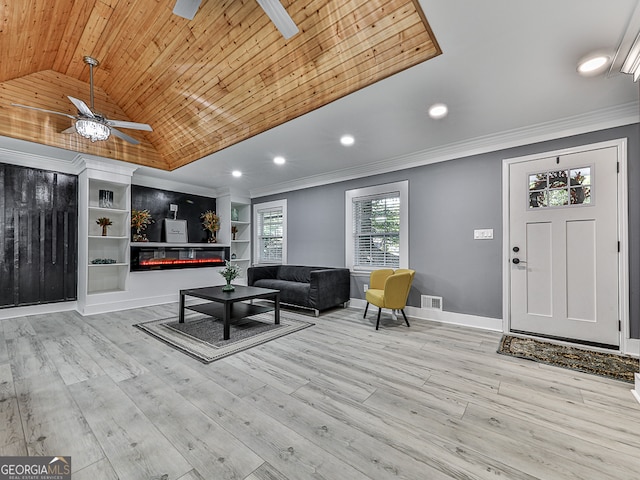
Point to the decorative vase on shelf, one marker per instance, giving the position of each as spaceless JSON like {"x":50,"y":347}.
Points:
{"x":140,"y":237}
{"x":228,"y":287}
{"x":105,"y":198}
{"x":212,"y":238}
{"x":104,"y":230}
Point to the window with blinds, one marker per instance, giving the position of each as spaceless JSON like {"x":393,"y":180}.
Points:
{"x":377,"y":226}
{"x":376,"y":230}
{"x":270,"y":233}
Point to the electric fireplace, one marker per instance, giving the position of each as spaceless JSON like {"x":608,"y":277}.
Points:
{"x":154,"y":257}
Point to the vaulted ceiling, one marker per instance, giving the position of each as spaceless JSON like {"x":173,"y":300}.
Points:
{"x":203,"y":85}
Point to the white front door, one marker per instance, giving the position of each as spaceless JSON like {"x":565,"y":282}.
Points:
{"x":563,"y":245}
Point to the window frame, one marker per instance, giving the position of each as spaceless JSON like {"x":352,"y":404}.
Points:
{"x":401,"y":187}
{"x":257,"y":209}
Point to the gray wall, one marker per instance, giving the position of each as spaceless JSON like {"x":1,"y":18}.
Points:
{"x":447,"y":201}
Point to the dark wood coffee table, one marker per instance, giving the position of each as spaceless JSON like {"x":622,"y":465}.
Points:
{"x":227,"y":306}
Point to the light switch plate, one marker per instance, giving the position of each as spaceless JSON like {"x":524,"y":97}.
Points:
{"x":483,"y":234}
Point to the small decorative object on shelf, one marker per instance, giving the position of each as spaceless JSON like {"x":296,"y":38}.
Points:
{"x":234,"y":214}
{"x":105,"y":199}
{"x":229,"y":272}
{"x":104,"y":222}
{"x":211,"y":223}
{"x":103,"y":261}
{"x":234,"y":230}
{"x":139,"y":220}
{"x":233,"y":256}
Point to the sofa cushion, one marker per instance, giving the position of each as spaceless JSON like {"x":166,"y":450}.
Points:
{"x":296,"y":293}
{"x":294,"y":273}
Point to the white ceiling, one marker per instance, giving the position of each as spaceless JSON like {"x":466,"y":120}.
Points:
{"x":507,"y":73}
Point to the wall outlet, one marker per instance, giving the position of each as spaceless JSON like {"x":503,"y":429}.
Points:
{"x":366,"y":287}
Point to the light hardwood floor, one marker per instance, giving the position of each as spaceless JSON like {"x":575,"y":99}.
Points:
{"x":337,"y":401}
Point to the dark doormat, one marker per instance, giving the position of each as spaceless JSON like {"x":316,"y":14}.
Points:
{"x":608,"y":365}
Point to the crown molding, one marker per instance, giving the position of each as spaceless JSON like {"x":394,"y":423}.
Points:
{"x":36,"y":160}
{"x":104,"y":165}
{"x":612,"y":117}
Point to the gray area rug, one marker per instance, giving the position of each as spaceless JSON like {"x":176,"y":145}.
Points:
{"x":200,"y":336}
{"x":604,"y":364}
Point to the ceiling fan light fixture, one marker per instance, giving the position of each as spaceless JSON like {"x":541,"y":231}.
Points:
{"x":92,"y":129}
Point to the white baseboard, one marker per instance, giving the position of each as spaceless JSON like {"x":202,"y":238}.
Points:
{"x":636,"y":391}
{"x":116,"y":306}
{"x":631,"y":346}
{"x":473,"y":321}
{"x":14,"y":312}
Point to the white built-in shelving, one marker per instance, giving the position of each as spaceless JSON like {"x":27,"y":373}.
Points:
{"x":235,"y":211}
{"x":112,"y":247}
{"x":103,"y":260}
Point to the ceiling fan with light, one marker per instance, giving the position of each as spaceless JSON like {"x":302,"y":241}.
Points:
{"x":273,"y":8}
{"x":91,"y":124}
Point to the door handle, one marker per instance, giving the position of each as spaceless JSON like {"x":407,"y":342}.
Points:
{"x":517,"y":261}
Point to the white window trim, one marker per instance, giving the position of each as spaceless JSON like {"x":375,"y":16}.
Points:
{"x":269,"y":206}
{"x":403,"y":188}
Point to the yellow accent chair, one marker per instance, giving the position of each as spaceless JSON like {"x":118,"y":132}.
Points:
{"x":389,"y":289}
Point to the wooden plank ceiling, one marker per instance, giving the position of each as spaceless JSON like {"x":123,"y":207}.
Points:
{"x":202,"y":85}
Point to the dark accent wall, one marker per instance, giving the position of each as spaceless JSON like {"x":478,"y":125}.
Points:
{"x":447,"y":201}
{"x":190,"y":207}
{"x":38,"y":236}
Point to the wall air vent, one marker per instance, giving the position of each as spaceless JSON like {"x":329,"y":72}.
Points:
{"x":431,"y":302}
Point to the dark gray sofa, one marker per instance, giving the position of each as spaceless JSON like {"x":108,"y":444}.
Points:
{"x":318,"y":288}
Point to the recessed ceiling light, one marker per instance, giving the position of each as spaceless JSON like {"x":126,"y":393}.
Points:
{"x":593,"y":64}
{"x":438,"y":110}
{"x":347,"y":140}
{"x":279,"y":160}
{"x":236,"y":173}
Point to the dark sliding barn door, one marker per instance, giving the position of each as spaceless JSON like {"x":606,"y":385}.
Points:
{"x":38,"y":236}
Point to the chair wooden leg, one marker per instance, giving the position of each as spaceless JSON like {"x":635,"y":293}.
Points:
{"x":378,"y":322}
{"x":365,"y":310}
{"x":405,"y":318}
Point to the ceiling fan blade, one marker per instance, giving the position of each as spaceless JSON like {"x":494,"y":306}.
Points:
{"x":124,"y":136}
{"x":42,"y":110}
{"x":82,"y":107}
{"x":279,"y":16}
{"x":186,"y":8}
{"x":132,"y":125}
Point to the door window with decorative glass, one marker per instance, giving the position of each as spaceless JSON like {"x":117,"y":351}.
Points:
{"x":560,"y":188}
